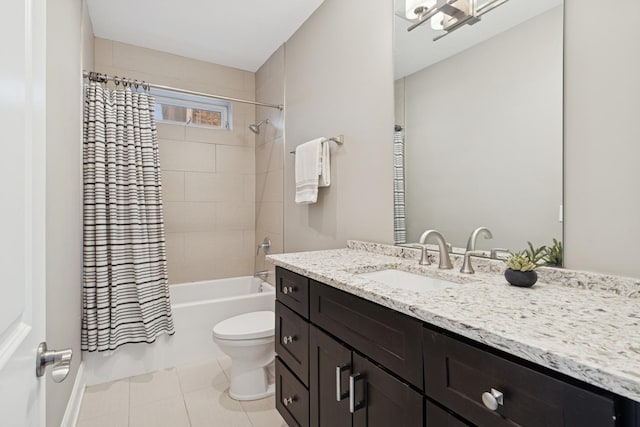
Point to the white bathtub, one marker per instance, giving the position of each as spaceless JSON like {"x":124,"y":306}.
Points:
{"x":196,"y":308}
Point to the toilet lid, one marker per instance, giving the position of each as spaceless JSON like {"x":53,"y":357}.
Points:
{"x":259,"y":324}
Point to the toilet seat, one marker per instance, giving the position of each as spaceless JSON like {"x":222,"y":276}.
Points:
{"x":248,"y":326}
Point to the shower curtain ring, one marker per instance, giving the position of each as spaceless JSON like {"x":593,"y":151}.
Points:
{"x":116,"y":80}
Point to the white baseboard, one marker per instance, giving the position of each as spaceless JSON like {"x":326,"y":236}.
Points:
{"x":75,"y":400}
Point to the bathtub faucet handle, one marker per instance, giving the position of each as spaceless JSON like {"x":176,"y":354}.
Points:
{"x":265,"y":246}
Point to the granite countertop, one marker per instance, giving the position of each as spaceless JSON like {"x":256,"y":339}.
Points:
{"x":589,"y":332}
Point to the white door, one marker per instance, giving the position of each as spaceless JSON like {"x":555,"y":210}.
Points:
{"x":22,"y":204}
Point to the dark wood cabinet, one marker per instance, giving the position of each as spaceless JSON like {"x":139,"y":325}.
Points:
{"x":491,"y":391}
{"x":384,"y":335}
{"x":330,"y":367}
{"x":345,"y":361}
{"x":292,"y":341}
{"x":292,"y":398}
{"x":381,"y":400}
{"x":346,"y":389}
{"x":439,"y":417}
{"x":292,"y":290}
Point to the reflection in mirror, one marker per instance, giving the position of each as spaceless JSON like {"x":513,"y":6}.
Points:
{"x":479,"y":127}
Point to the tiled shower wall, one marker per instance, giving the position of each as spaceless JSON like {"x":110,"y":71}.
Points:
{"x":208,"y":176}
{"x":269,"y":159}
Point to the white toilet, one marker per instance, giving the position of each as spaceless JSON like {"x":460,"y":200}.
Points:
{"x":248,"y":340}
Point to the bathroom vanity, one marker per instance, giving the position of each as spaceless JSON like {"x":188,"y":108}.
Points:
{"x":351,"y":351}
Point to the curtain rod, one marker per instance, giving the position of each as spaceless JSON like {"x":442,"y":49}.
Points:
{"x":105,"y":78}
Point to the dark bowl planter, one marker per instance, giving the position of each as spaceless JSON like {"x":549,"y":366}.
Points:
{"x":523,"y":279}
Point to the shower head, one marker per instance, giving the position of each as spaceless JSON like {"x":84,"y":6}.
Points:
{"x":255,"y":128}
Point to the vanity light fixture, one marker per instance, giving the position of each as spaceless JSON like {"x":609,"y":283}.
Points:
{"x":415,"y":8}
{"x":448,"y":15}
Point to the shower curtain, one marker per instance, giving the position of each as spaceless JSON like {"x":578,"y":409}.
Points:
{"x":125,"y":290}
{"x":399,"y":226}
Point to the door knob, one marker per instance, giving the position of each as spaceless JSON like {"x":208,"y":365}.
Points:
{"x":59,"y":360}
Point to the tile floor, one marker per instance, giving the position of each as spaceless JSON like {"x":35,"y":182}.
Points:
{"x":194,"y":395}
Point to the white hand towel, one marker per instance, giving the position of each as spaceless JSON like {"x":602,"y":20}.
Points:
{"x":312,"y":170}
{"x":325,"y":164}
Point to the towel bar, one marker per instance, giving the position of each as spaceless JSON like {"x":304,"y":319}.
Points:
{"x":337,"y":139}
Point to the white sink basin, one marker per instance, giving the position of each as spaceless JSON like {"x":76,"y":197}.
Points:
{"x":404,"y":280}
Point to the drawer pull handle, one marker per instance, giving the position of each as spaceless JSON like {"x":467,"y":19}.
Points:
{"x":287,"y":290}
{"x":286,"y":340}
{"x":353,"y":405}
{"x":493,"y":399}
{"x":339,"y":394}
{"x":288,"y":400}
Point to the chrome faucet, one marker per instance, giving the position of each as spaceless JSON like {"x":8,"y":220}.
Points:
{"x":445,"y":260}
{"x":471,"y":243}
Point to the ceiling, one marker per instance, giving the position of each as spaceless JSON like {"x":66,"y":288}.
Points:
{"x":236,"y":33}
{"x":416,"y":50}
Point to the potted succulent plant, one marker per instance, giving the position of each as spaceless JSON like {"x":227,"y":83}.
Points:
{"x":521,"y":266}
{"x":553,"y":254}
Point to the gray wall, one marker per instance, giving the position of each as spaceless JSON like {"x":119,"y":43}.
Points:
{"x":602,"y":131}
{"x":337,"y":59}
{"x":484,"y":139}
{"x":339,"y":80}
{"x":69,"y":48}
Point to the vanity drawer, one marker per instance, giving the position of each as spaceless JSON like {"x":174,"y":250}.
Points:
{"x":457,"y":375}
{"x":384,"y":335}
{"x":293,"y":290}
{"x":292,"y":341}
{"x":292,"y":398}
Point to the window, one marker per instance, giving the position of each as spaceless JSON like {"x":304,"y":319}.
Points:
{"x":191,"y":110}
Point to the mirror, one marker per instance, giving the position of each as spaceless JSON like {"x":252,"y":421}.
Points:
{"x":481,"y":118}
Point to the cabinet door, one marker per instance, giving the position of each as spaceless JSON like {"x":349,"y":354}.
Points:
{"x":329,"y":368}
{"x":383,"y":400}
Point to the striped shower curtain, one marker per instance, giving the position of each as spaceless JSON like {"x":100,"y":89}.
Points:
{"x":125,"y":291}
{"x":399,"y":226}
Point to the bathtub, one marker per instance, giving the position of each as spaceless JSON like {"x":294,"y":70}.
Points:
{"x":196,"y":308}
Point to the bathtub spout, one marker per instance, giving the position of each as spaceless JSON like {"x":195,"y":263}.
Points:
{"x":262,"y":275}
